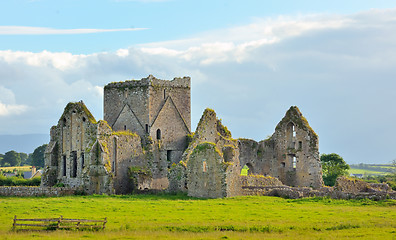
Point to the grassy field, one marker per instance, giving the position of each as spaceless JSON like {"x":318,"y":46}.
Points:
{"x":180,"y":217}
{"x":371,"y":169}
{"x":21,"y":168}
{"x":366,"y":172}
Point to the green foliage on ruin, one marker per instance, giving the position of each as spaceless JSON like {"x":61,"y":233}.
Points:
{"x":79,"y":106}
{"x":223,"y":130}
{"x":333,"y":166}
{"x":205,"y":145}
{"x":124,"y":133}
{"x":140,"y":171}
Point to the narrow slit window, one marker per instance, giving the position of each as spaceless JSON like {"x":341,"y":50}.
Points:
{"x":299,"y":145}
{"x":294,"y":162}
{"x":158,"y":134}
{"x":124,"y":127}
{"x":64,"y":165}
{"x":147,"y":128}
{"x":82,"y":160}
{"x":169,"y":155}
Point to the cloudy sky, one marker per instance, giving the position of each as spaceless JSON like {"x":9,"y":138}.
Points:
{"x":248,"y":60}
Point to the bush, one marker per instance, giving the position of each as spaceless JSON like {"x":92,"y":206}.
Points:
{"x":18,"y":181}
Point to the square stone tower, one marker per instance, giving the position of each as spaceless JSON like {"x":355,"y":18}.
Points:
{"x":152,"y":107}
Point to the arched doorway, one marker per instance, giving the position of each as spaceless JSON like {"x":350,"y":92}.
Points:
{"x":247,"y":170}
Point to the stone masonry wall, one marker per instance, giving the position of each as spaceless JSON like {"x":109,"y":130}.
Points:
{"x":290,"y":154}
{"x":35,"y":191}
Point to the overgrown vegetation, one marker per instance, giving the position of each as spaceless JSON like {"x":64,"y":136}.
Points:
{"x":19,"y":181}
{"x":181,"y":217}
{"x":333,"y":166}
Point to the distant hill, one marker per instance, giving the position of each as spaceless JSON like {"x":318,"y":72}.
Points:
{"x":372,"y":169}
{"x":22,"y":143}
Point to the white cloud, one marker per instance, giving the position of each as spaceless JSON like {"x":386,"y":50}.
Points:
{"x":8,"y":109}
{"x":339,"y":69}
{"x":7,"y":103}
{"x":26,"y":30}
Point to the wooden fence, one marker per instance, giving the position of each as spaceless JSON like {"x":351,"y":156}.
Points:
{"x":60,"y":223}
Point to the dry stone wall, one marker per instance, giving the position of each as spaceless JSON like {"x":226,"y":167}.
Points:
{"x":36,"y":191}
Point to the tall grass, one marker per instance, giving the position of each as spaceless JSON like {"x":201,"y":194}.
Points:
{"x":182,"y":217}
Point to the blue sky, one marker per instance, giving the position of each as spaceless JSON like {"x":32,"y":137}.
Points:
{"x":248,"y":60}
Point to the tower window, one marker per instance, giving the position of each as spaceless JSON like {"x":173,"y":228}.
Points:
{"x":294,"y":162}
{"x":294,"y":131}
{"x":64,"y":165}
{"x":82,"y":160}
{"x":147,"y":130}
{"x":124,"y":127}
{"x":158,"y":134}
{"x":164,"y":93}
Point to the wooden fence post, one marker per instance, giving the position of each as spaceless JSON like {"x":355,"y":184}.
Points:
{"x":14,"y":224}
{"x":104,"y":223}
{"x":59,"y":221}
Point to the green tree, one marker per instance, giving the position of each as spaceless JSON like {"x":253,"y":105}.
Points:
{"x":1,"y":160}
{"x":333,"y":166}
{"x":24,"y":157}
{"x":38,"y":156}
{"x":12,"y":158}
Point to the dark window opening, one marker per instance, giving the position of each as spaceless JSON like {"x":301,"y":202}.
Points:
{"x":64,"y":122}
{"x":299,"y":145}
{"x":84,"y":119}
{"x":73,"y":172}
{"x":283,"y":164}
{"x":114,"y":156}
{"x":82,"y":160}
{"x":147,"y":130}
{"x":64,"y":165}
{"x":169,"y":155}
{"x":164,"y":93}
{"x":124,"y":127}
{"x":158,"y":134}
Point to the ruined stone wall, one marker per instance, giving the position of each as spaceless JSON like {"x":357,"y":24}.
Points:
{"x":212,"y":149}
{"x":206,"y":172}
{"x":291,"y":154}
{"x":67,"y":153}
{"x":154,"y":107}
{"x":36,"y":191}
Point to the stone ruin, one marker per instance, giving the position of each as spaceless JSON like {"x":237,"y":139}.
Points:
{"x":145,"y":143}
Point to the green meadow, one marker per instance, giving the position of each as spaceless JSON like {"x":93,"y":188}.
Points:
{"x":181,"y":217}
